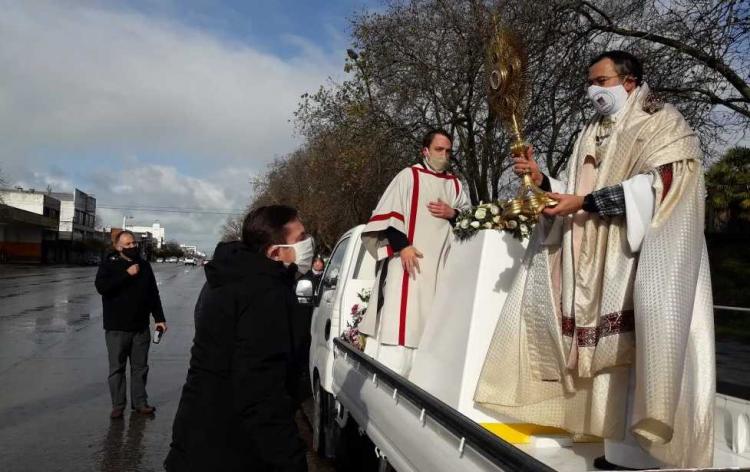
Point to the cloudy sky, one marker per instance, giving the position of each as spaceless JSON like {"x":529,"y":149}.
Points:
{"x":168,"y":103}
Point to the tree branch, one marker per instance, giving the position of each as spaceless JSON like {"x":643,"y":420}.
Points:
{"x":712,"y":97}
{"x":713,"y":63}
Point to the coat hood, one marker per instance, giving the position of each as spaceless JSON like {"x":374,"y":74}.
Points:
{"x":234,"y":260}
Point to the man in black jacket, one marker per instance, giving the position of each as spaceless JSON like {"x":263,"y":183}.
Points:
{"x":129,"y":294}
{"x":237,"y":407}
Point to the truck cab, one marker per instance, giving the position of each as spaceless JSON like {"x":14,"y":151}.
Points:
{"x":350,"y":269}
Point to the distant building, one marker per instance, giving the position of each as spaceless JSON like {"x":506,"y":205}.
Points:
{"x":78,"y":239}
{"x":192,"y":250}
{"x":31,"y":200}
{"x":29,"y":222}
{"x":157,"y":231}
{"x":48,"y":227}
{"x":77,"y":215}
{"x":189,"y":250}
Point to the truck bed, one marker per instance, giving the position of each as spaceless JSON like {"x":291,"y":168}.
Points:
{"x":418,"y":432}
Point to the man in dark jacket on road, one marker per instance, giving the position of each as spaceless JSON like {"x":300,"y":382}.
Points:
{"x":129,"y":294}
{"x":237,"y":407}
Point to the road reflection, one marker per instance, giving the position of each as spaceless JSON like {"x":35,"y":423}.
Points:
{"x":122,"y":448}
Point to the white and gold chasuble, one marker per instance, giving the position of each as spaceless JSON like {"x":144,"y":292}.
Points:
{"x":586,"y":307}
{"x":407,"y":301}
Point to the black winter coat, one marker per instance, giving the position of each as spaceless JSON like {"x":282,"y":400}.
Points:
{"x":237,"y":408}
{"x":127,"y":299}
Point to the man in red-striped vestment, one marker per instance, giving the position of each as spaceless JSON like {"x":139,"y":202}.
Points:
{"x":408,"y":234}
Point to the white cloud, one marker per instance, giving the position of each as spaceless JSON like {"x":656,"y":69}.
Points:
{"x":142,"y":185}
{"x":79,"y":77}
{"x":80,"y":80}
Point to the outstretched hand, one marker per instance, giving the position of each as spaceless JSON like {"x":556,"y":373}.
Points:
{"x":566,"y":204}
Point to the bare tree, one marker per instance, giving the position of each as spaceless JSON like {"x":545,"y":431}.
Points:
{"x":2,"y":184}
{"x":697,"y":51}
{"x":420,"y":64}
{"x":232,"y":229}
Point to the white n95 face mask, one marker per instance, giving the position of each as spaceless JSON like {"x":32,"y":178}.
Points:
{"x":304,"y":252}
{"x":608,"y":100}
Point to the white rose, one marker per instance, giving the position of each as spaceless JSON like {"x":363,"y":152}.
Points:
{"x":494,"y":209}
{"x":512,"y":224}
{"x":475,"y":224}
{"x":497,"y":220}
{"x":480,"y":213}
{"x":488,"y":225}
{"x":522,"y":217}
{"x":464,"y":224}
{"x":524,"y":230}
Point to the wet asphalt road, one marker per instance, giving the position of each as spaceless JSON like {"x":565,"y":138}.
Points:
{"x":54,"y":400}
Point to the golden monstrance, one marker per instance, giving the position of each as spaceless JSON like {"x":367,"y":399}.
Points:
{"x":508,"y":90}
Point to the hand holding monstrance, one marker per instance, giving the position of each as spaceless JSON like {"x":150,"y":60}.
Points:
{"x":506,"y":65}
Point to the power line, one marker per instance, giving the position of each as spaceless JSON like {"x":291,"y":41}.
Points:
{"x":169,"y":209}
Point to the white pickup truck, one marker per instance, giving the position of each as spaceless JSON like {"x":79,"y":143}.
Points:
{"x":429,"y":422}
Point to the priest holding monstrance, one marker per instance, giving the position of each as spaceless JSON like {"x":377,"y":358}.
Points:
{"x":608,"y":327}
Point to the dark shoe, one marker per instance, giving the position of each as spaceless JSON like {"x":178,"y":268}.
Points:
{"x":602,"y":463}
{"x":146,"y":410}
{"x":116,"y":413}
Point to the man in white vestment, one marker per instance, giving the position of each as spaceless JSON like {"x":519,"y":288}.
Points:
{"x":408,"y":234}
{"x":608,"y":328}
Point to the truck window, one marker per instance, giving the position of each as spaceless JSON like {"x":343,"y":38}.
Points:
{"x":331,"y":275}
{"x":365,"y":267}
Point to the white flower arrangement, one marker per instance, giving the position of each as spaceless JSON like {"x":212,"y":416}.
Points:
{"x":491,"y":216}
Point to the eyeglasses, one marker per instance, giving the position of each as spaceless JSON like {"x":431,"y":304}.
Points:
{"x":603,"y":79}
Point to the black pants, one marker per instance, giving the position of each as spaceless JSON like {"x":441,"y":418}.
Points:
{"x":122,"y":345}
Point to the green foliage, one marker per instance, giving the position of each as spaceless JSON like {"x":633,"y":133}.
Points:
{"x":729,"y":256}
{"x":728,"y":188}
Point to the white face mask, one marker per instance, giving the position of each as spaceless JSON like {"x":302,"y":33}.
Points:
{"x":438,"y":164}
{"x":608,"y":100}
{"x":304,"y":252}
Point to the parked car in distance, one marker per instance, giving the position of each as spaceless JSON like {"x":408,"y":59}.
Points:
{"x":160,"y":259}
{"x":190,"y":261}
{"x":172,"y":259}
